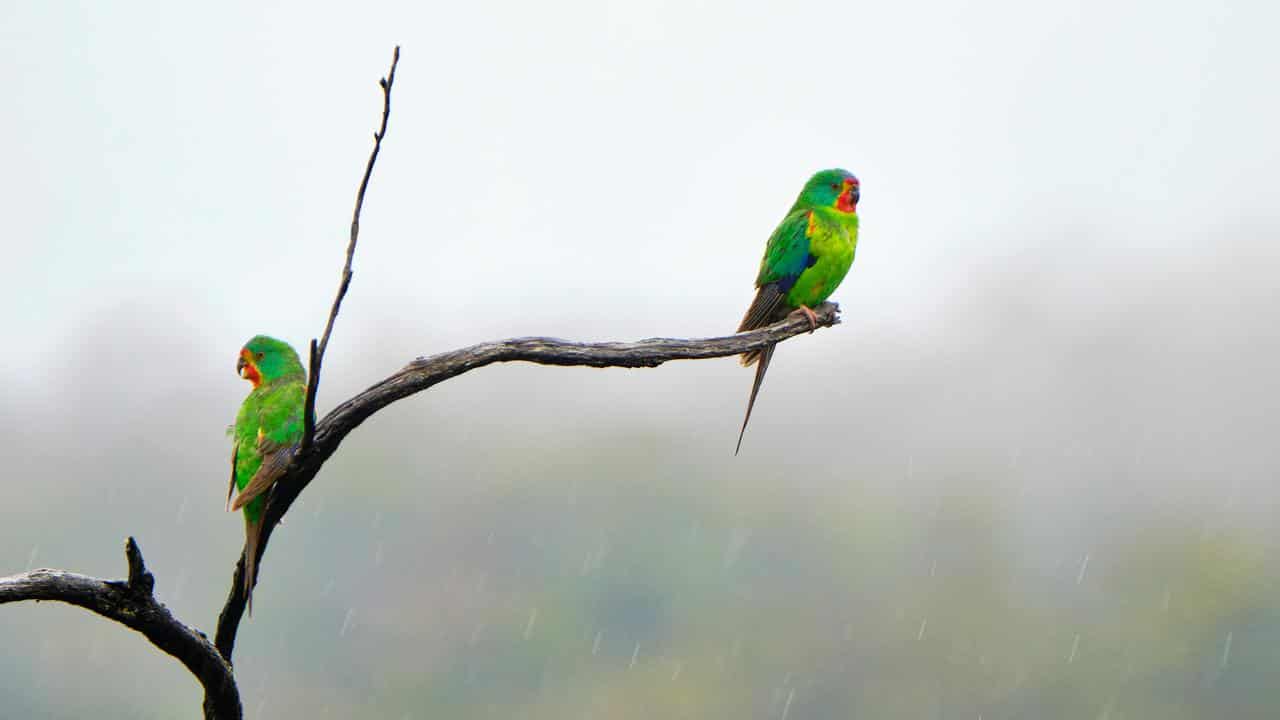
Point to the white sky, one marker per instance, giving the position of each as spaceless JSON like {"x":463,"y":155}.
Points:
{"x":612,"y":166}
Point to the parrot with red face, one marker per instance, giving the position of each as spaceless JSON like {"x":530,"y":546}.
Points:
{"x":268,"y":427}
{"x":807,"y":256}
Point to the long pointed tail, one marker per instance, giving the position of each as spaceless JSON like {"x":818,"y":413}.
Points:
{"x":762,"y":365}
{"x":252,"y":532}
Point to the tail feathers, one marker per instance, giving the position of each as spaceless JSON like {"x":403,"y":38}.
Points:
{"x":761,"y":358}
{"x":252,"y":533}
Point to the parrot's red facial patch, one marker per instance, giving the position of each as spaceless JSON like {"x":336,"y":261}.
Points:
{"x":848,"y":199}
{"x":247,"y":370}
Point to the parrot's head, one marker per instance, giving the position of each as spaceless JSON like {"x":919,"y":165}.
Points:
{"x":837,"y":189}
{"x":266,"y":359}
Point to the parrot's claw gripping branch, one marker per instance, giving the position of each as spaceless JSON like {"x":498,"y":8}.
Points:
{"x":131,"y":602}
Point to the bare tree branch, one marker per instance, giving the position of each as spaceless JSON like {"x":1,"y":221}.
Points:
{"x":131,"y":603}
{"x":428,"y":371}
{"x":320,"y":441}
{"x":316,"y":355}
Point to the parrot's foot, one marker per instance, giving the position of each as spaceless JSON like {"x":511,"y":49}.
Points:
{"x":810,"y":315}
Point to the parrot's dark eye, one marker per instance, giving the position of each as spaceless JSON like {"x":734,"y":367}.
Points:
{"x":835,"y":186}
{"x":259,"y":356}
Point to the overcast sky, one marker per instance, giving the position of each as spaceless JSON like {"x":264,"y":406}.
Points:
{"x":611,"y":167}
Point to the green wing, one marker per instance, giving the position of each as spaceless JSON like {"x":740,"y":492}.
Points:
{"x":277,"y":429}
{"x":785,"y":258}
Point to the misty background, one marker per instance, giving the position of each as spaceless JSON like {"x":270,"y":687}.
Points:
{"x":1031,"y":475}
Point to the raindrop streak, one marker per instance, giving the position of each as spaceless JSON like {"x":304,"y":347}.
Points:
{"x":31,"y":558}
{"x":1075,"y":645}
{"x":475,"y":633}
{"x":528,"y":627}
{"x":1226,"y":650}
{"x":1084,"y":565}
{"x":786,"y":708}
{"x":923,"y":623}
{"x":182,"y":510}
{"x":676,"y":674}
{"x":634,"y":654}
{"x":346,"y":621}
{"x":595,"y":646}
{"x":377,"y":555}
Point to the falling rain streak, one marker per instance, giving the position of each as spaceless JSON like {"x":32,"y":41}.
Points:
{"x":786,"y":708}
{"x":528,"y":626}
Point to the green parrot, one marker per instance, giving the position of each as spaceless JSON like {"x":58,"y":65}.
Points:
{"x":807,"y":256}
{"x":267,"y":428}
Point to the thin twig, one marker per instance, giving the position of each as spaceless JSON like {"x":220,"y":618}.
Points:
{"x":317,"y":351}
{"x":131,"y":603}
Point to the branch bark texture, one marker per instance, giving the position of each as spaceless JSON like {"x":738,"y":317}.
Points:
{"x":132,"y":603}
